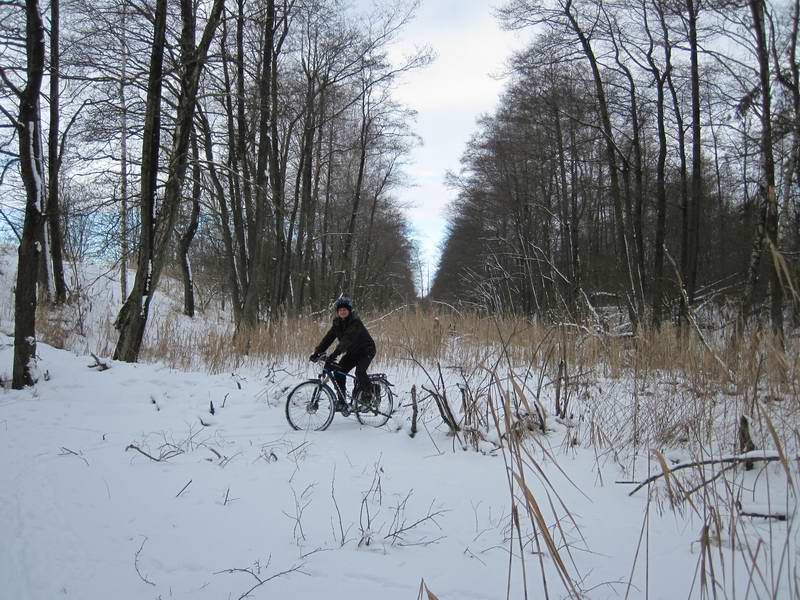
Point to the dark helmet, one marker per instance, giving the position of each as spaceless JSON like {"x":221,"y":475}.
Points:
{"x":344,"y":302}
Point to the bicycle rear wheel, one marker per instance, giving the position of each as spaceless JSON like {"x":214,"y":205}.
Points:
{"x":378,"y":411}
{"x":310,"y":406}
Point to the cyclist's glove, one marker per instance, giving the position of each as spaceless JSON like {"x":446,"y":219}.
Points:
{"x":314,"y":357}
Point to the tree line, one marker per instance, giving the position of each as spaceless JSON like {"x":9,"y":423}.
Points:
{"x":644,"y":155}
{"x":253,"y":143}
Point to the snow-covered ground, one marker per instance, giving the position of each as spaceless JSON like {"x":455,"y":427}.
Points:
{"x":237,"y":502}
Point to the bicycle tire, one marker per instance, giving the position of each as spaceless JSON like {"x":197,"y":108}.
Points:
{"x":299,"y":403}
{"x":379,"y":413}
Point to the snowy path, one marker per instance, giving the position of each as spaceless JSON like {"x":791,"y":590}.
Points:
{"x":106,"y":523}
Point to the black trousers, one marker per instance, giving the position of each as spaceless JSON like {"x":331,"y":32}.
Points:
{"x":361,"y":363}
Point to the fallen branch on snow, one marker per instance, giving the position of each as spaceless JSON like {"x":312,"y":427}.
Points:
{"x":777,"y":516}
{"x":67,"y":451}
{"x":163,"y":457}
{"x":257,"y":568}
{"x":755,"y":456}
{"x":98,"y":365}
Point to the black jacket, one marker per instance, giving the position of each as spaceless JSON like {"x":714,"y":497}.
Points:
{"x":352,"y":335}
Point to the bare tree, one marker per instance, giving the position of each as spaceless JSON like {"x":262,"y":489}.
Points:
{"x":758,"y":11}
{"x":31,"y":161}
{"x":156,"y":230}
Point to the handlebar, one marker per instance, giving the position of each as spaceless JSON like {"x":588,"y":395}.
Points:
{"x":322,"y":358}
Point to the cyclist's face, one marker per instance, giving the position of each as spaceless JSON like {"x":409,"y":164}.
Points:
{"x":343,"y":312}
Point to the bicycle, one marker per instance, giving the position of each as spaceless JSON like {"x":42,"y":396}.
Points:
{"x":311,"y":405}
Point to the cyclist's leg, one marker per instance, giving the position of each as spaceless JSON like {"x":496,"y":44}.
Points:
{"x":346,"y":365}
{"x":362,"y":364}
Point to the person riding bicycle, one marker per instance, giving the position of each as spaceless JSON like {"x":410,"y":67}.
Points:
{"x":356,"y":349}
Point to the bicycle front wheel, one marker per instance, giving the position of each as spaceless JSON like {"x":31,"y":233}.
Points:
{"x":378,"y":410}
{"x":310,"y":406}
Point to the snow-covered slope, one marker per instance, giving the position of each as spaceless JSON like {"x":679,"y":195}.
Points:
{"x":86,"y":323}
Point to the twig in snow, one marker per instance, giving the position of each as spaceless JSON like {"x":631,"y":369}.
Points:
{"x":297,"y":448}
{"x":300,"y":505}
{"x":140,"y":451}
{"x":365,"y":517}
{"x":66,"y":451}
{"x":338,"y":512}
{"x":471,"y":554}
{"x":217,"y":454}
{"x":268,"y":457}
{"x":428,"y":431}
{"x":414,"y":411}
{"x":183,"y":488}
{"x":399,"y":528}
{"x":444,"y":410}
{"x":224,"y":462}
{"x":298,"y":567}
{"x":136,"y":564}
{"x":164,"y":454}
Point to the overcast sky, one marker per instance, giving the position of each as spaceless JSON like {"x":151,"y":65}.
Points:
{"x":449,"y":96}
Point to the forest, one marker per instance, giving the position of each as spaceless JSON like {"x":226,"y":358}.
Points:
{"x":643,"y":162}
{"x":643,"y":158}
{"x":253,"y":148}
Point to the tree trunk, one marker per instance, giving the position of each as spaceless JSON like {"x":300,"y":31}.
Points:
{"x":567,"y":236}
{"x":123,"y":167}
{"x":577,"y":275}
{"x":224,"y":219}
{"x":44,"y":283}
{"x":347,"y":273}
{"x":240,"y":156}
{"x":661,"y":186}
{"x":757,"y":9}
{"x":624,"y":259}
{"x":308,"y":270}
{"x":277,"y":173}
{"x":255,"y":266}
{"x":54,"y":161}
{"x":132,"y":316}
{"x":32,"y":171}
{"x":186,"y":239}
{"x":634,"y":194}
{"x":697,"y":172}
{"x":240,"y":219}
{"x":323,"y":287}
{"x":684,"y":176}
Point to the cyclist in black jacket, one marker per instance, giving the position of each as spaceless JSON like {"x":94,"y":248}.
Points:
{"x":356,"y":349}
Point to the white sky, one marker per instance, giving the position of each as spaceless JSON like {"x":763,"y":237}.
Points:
{"x":449,"y":95}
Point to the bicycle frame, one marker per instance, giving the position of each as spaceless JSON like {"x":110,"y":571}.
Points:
{"x":329,"y":375}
